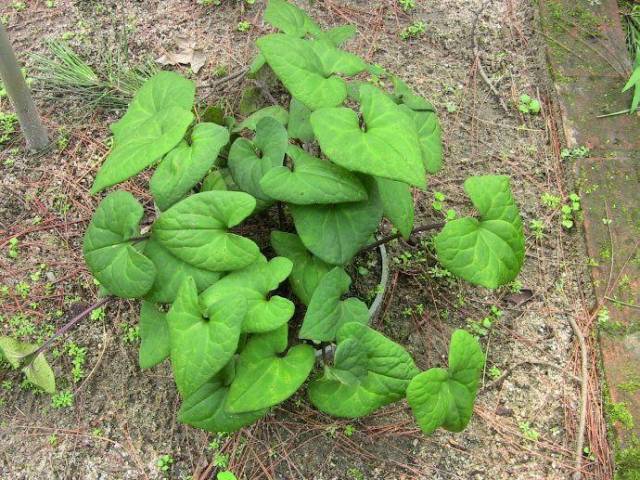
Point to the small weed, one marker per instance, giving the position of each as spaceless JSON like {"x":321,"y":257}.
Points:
{"x":243,"y":26}
{"x":19,"y":6}
{"x":481,"y":328}
{"x":164,"y":463}
{"x":568,"y":210}
{"x":6,"y":385}
{"x":415,"y":30}
{"x":8,"y":123}
{"x":528,"y":105}
{"x":221,"y":460}
{"x":550,"y":201}
{"x":62,"y":399}
{"x":439,"y":197}
{"x":52,"y":439}
{"x":537,"y":228}
{"x":631,"y":386}
{"x":574,"y":153}
{"x":97,"y":314}
{"x":407,"y":5}
{"x":208,"y":3}
{"x":619,"y":412}
{"x":14,"y":250}
{"x":355,"y":473}
{"x":78,"y":357}
{"x":130,"y":333}
{"x":494,"y":372}
{"x":515,"y":286}
{"x":529,"y":432}
{"x":23,"y":289}
{"x":349,"y":430}
{"x":220,"y":71}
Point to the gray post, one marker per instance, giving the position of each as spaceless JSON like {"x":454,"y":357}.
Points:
{"x":34,"y":132}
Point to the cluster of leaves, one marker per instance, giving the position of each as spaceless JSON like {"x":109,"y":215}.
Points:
{"x":528,"y":105}
{"x":209,"y":293}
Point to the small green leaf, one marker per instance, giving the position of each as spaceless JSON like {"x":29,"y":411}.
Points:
{"x":264,"y":377}
{"x":226,"y":476}
{"x":253,"y":284}
{"x":201,"y":347}
{"x":444,"y":398}
{"x":251,"y":122}
{"x":155,"y":122}
{"x":195,"y":230}
{"x":250,"y":161}
{"x":299,"y":126}
{"x":289,"y":19}
{"x":185,"y":165}
{"x":327,"y":313}
{"x":214,"y":181}
{"x":397,"y":204}
{"x":335,"y":233}
{"x":171,"y":272}
{"x":205,"y":408}
{"x":308,"y":269}
{"x":308,"y":68}
{"x":489,"y":251}
{"x":369,"y":371}
{"x":154,"y":336}
{"x":38,"y":372}
{"x":312,"y":181}
{"x":388,"y":146}
{"x":108,"y":251}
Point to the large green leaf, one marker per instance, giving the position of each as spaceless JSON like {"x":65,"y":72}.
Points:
{"x":335,"y":233}
{"x":274,"y":111}
{"x":155,"y":122}
{"x":38,"y":372}
{"x":369,"y":371}
{"x":308,"y":269}
{"x":108,"y":249}
{"x":250,"y":161}
{"x":266,"y":377}
{"x":171,"y":272}
{"x":340,"y":34}
{"x":201,"y":347}
{"x":327,"y":313}
{"x":387,"y":146}
{"x":312,"y":181}
{"x":186,"y":165}
{"x":299,"y":125}
{"x":397,"y":204}
{"x":289,"y":19}
{"x":195,"y":230}
{"x":308,"y":68}
{"x":205,"y":408}
{"x":444,"y":398}
{"x":488,"y":251}
{"x":253,"y":284}
{"x":154,"y":336}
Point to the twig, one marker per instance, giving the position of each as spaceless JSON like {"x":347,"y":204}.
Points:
{"x":478,"y":61}
{"x":265,"y":92}
{"x":613,"y":114}
{"x":388,"y":238}
{"x":382,"y":286}
{"x":65,"y":328}
{"x":583,"y":397}
{"x":228,"y":78}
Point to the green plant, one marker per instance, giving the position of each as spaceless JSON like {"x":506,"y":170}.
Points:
{"x":528,"y":431}
{"x":528,"y":105}
{"x":209,"y":302}
{"x":243,"y":26}
{"x":619,"y":412}
{"x":62,"y":399}
{"x":164,"y":463}
{"x":13,"y":248}
{"x":415,"y":30}
{"x":537,"y":228}
{"x":580,"y":151}
{"x":407,"y":5}
{"x":569,"y":210}
{"x":634,"y":82}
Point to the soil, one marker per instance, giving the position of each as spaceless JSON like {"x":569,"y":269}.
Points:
{"x":123,"y":419}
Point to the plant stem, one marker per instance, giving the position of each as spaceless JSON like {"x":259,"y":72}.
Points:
{"x":34,"y":132}
{"x":64,"y":329}
{"x":388,"y":238}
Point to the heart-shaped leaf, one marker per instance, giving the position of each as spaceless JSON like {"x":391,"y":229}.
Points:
{"x":369,"y":371}
{"x":205,"y":408}
{"x":387,"y":147}
{"x":397,"y":204}
{"x":201,"y":347}
{"x":154,"y":336}
{"x":308,"y":269}
{"x":335,"y":233}
{"x":308,"y":68}
{"x":299,"y":125}
{"x":289,"y":19}
{"x":264,"y":377}
{"x":108,"y":250}
{"x":489,"y":251}
{"x":185,"y":165}
{"x":327,"y":313}
{"x":430,"y":135}
{"x":214,"y":181}
{"x":155,"y":122}
{"x":444,"y":398}
{"x":195,"y":230}
{"x":171,"y":272}
{"x":403,"y":94}
{"x":38,"y":372}
{"x":340,"y":34}
{"x":253,"y":284}
{"x":274,"y":111}
{"x":250,"y":161}
{"x":312,"y":181}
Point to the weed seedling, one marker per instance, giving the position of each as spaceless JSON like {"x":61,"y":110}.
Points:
{"x":349,"y":430}
{"x":528,"y":105}
{"x":243,"y":26}
{"x":13,"y":248}
{"x":415,"y":30}
{"x":407,"y":5}
{"x":164,"y":463}
{"x":575,"y":153}
{"x":62,"y":399}
{"x":529,"y":432}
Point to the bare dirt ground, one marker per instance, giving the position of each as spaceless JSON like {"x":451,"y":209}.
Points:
{"x":122,"y":420}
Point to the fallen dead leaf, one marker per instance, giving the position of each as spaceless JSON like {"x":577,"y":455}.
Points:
{"x":187,"y":54}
